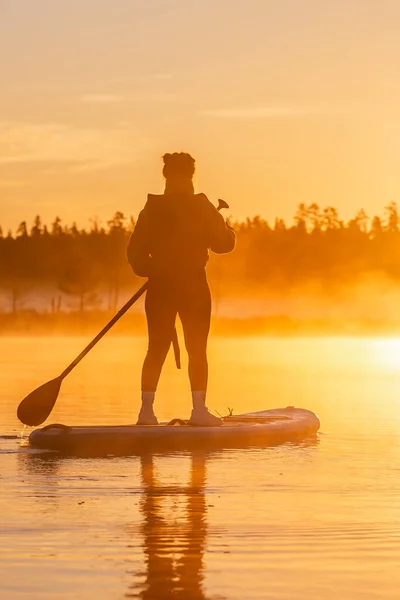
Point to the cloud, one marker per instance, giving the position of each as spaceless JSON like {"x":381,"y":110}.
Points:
{"x":103,"y":98}
{"x":258,"y":112}
{"x":138,"y":97}
{"x":77,"y":148}
{"x":11,"y":183}
{"x":157,"y":76}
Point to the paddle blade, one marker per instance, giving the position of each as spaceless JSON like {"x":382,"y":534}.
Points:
{"x":36,"y":407}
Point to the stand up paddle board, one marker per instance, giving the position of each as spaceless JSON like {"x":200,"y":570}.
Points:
{"x":263,"y":428}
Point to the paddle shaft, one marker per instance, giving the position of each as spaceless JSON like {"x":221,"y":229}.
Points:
{"x":98,"y":337}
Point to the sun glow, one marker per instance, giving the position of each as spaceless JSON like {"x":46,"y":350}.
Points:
{"x":386,"y":353}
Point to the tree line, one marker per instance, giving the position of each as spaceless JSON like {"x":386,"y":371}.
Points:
{"x":86,"y":263}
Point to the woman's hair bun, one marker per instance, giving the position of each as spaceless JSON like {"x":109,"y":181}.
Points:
{"x":166,"y":157}
{"x":178,"y":165}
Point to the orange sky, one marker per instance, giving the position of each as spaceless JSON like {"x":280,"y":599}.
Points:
{"x":280,"y":102}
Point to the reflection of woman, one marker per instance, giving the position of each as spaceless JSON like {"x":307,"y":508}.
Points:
{"x":170,"y":245}
{"x":165,"y":578}
{"x":190,"y":564}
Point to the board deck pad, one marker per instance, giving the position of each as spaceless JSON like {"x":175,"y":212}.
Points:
{"x":261,"y":428}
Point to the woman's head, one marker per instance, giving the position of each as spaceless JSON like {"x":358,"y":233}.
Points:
{"x":178,"y":166}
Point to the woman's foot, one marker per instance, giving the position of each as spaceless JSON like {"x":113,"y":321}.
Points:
{"x":202,"y":417}
{"x":147,"y":416}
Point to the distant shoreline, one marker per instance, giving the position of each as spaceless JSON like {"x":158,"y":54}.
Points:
{"x":90,"y":322}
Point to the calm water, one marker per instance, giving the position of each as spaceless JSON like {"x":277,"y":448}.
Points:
{"x":313,"y":521}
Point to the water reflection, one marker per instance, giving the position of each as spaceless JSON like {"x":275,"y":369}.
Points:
{"x":166,"y":537}
{"x":173,"y":518}
{"x":39,"y":471}
{"x":173,"y":551}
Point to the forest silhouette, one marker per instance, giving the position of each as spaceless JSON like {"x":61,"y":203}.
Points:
{"x":75,"y":270}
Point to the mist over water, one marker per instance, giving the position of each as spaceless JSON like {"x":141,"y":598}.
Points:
{"x":308,"y":521}
{"x":366,"y":306}
{"x":317,"y":273}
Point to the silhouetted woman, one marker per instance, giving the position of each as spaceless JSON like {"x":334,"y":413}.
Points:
{"x":170,"y":245}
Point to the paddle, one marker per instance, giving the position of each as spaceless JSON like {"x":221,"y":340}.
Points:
{"x":36,"y":407}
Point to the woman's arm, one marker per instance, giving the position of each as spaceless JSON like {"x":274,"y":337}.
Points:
{"x":222,"y":238}
{"x":138,"y":251}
